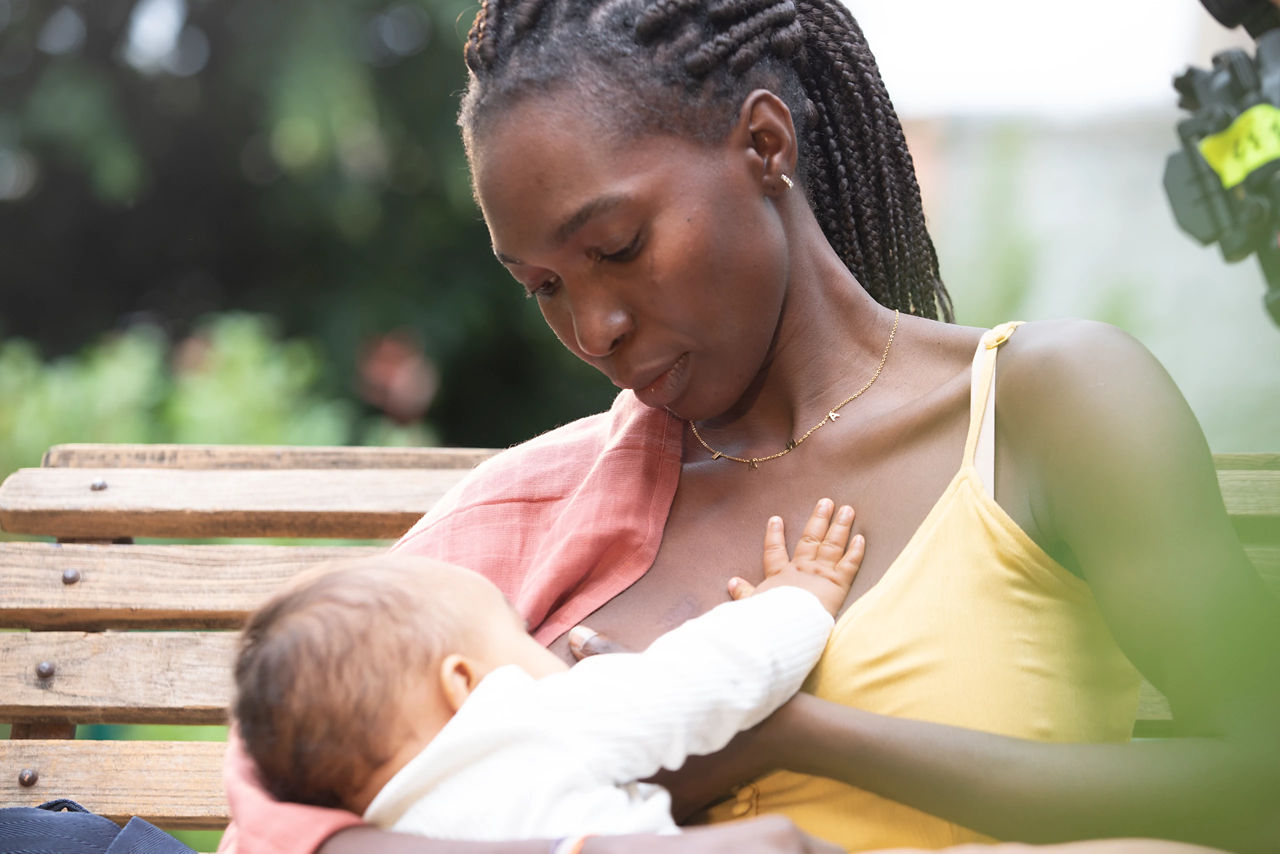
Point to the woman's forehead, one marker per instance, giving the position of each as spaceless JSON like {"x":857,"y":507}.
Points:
{"x":553,"y":169}
{"x":542,"y":134}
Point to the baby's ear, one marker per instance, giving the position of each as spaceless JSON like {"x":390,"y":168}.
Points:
{"x":459,"y":676}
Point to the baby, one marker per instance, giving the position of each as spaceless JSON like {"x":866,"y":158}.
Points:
{"x":409,"y":691}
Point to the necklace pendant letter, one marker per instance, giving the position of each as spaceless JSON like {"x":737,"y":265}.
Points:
{"x":716,"y":455}
{"x":753,"y":463}
{"x":833,"y":415}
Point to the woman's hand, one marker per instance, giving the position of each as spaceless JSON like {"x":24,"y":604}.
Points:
{"x":766,"y":835}
{"x":770,"y":834}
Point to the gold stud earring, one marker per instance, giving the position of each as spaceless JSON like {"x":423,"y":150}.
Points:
{"x":786,"y":180}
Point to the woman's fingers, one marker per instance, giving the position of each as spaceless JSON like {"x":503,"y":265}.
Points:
{"x":584,"y":642}
{"x":771,"y":834}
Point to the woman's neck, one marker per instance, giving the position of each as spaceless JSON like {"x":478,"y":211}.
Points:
{"x":830,"y":338}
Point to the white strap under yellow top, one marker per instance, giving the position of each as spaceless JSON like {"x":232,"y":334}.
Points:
{"x":980,"y":445}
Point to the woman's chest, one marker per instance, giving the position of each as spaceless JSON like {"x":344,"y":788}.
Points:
{"x":715,"y":527}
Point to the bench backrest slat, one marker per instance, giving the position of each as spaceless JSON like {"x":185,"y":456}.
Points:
{"x":355,"y":503}
{"x":260,"y":457}
{"x":173,"y":784}
{"x":146,"y":587}
{"x":117,"y":677}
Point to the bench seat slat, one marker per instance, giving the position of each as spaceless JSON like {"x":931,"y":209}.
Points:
{"x":147,"y":587}
{"x":356,"y":503}
{"x":195,"y":587}
{"x":117,"y":677}
{"x":260,"y":457}
{"x":1252,"y":462}
{"x":172,"y":784}
{"x":1251,"y":494}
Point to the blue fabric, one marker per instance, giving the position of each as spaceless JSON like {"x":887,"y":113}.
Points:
{"x":63,"y":826}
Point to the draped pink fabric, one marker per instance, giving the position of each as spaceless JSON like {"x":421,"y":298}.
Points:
{"x":561,"y":523}
{"x":566,"y":521}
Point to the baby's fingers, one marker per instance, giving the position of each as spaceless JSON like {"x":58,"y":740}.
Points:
{"x":815,"y":530}
{"x":775,"y":547}
{"x":847,"y":567}
{"x":833,"y":545}
{"x":740,"y":588}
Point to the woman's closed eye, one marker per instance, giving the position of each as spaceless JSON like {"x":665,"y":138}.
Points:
{"x":544,"y":290}
{"x":626,"y":253}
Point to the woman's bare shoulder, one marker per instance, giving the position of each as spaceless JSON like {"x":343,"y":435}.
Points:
{"x":1064,"y":375}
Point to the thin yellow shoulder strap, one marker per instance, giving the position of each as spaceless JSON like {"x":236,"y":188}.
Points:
{"x":979,"y":446}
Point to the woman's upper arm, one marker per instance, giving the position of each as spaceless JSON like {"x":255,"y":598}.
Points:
{"x":1128,"y":486}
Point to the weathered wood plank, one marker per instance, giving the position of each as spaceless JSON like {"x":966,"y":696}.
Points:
{"x":116,"y":677}
{"x":170,"y":784}
{"x":355,"y":503}
{"x":51,"y":586}
{"x":348,"y":457}
{"x":164,"y":683}
{"x":1267,"y":462}
{"x":1251,"y":494}
{"x":43,"y":729}
{"x":260,"y":457}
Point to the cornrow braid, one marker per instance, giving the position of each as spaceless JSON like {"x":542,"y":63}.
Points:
{"x":479,"y":51}
{"x":692,"y":62}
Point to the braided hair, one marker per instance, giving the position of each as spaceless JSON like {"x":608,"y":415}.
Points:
{"x":687,"y":65}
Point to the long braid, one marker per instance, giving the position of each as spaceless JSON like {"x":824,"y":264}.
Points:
{"x":692,"y":62}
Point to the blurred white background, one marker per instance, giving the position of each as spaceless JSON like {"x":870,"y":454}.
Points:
{"x":1040,"y":133}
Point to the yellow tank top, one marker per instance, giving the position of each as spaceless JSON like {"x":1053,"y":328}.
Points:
{"x":972,"y":625}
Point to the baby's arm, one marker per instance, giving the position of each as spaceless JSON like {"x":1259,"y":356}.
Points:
{"x":825,"y":561}
{"x":697,"y":686}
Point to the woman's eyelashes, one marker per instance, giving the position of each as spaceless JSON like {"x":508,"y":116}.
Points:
{"x":627,"y":253}
{"x":544,"y":290}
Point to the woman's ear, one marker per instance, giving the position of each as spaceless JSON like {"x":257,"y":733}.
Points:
{"x":459,"y":676}
{"x":765,"y":126}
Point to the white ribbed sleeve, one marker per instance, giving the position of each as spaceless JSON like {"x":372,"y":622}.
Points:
{"x":695,"y":687}
{"x":526,"y":758}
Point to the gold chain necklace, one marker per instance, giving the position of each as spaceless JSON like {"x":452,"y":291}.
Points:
{"x":832,"y":414}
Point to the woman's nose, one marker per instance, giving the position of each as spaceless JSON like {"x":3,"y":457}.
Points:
{"x":600,"y":322}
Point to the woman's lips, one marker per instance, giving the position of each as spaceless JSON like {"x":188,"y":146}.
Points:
{"x":666,"y":387}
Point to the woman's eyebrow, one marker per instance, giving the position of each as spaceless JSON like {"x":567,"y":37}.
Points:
{"x":584,"y":214}
{"x":577,"y":220}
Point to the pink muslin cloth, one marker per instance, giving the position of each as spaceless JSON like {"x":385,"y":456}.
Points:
{"x":561,"y":523}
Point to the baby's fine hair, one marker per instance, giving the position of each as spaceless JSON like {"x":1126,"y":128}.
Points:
{"x":686,"y":66}
{"x":322,"y":669}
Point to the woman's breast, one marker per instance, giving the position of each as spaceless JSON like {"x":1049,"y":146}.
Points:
{"x":973,"y":626}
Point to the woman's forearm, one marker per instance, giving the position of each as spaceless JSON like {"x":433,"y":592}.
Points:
{"x":1215,"y":792}
{"x":365,"y":838}
{"x":766,"y":835}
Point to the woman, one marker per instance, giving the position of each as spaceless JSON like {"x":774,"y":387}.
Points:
{"x":713,"y":204}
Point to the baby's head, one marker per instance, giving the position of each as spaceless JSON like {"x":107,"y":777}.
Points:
{"x":348,"y":672}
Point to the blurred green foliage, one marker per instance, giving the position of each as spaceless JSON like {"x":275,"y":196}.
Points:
{"x":164,"y":159}
{"x":233,"y":381}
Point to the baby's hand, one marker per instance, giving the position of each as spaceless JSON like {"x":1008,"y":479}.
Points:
{"x":825,"y":562}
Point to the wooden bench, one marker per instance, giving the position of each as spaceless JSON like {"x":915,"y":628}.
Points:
{"x":121,"y":631}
